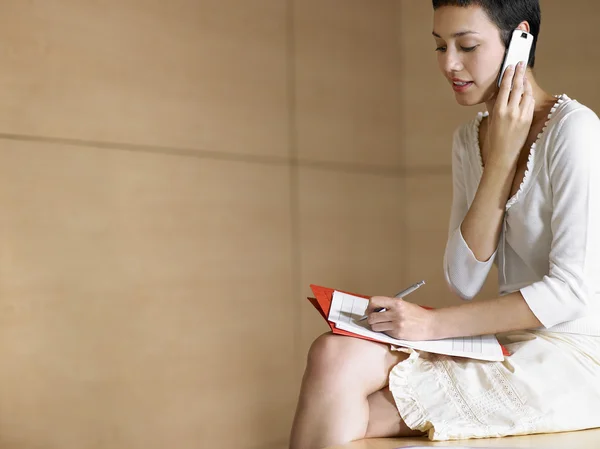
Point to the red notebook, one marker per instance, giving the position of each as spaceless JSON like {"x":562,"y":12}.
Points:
{"x":322,"y":302}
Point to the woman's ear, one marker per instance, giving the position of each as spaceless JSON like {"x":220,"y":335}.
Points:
{"x":524,"y":26}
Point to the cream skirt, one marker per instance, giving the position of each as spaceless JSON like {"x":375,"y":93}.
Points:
{"x":549,"y":383}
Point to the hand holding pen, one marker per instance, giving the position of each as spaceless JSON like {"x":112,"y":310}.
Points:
{"x":399,"y":295}
{"x":402,"y":319}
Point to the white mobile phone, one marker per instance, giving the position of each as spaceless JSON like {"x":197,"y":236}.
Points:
{"x":518,"y":50}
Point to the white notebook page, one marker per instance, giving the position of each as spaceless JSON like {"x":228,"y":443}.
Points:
{"x":346,"y":309}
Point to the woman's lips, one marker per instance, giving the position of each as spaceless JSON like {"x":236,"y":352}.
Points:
{"x":461,"y":86}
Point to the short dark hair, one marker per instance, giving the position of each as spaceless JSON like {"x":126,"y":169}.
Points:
{"x":507,"y":15}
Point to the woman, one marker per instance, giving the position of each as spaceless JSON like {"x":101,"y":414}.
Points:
{"x":526,"y":195}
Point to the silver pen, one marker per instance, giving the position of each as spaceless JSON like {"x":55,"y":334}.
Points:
{"x":401,"y":294}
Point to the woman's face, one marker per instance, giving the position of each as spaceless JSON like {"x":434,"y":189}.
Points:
{"x":470,"y":52}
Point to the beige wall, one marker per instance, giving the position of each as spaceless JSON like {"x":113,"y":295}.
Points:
{"x":174,"y":174}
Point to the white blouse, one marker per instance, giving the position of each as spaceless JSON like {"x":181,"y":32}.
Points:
{"x":549,"y":247}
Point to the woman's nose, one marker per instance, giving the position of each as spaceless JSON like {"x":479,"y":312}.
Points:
{"x":452,"y":62}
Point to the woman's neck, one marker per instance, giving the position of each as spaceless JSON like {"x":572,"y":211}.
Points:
{"x":541,"y":97}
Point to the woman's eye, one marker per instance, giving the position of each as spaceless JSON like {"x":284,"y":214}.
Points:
{"x":441,"y":49}
{"x":468,"y":49}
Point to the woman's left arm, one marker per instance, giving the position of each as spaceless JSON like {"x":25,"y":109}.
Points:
{"x":507,"y":313}
{"x":408,"y":321}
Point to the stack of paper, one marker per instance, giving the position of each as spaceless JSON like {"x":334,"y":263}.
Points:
{"x":345,"y":309}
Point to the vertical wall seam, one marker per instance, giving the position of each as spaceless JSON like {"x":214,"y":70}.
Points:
{"x":294,"y":206}
{"x":404,"y":239}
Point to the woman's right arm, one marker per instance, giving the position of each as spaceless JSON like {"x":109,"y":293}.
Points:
{"x":482,"y":225}
{"x":475,"y":230}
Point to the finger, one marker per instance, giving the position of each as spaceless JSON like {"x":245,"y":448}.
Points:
{"x":379,"y":301}
{"x":517,"y":87}
{"x":527,"y":105}
{"x":380,"y":317}
{"x":531,"y":107}
{"x":504,"y":91}
{"x":383,"y":327}
{"x":527,"y":93}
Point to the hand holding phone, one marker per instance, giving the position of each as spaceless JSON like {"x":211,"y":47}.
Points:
{"x":511,"y":119}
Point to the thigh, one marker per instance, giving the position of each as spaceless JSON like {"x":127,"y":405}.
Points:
{"x":384,"y":419}
{"x":352,"y":361}
{"x":555,"y":377}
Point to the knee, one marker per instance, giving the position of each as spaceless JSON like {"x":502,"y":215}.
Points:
{"x":327,"y":353}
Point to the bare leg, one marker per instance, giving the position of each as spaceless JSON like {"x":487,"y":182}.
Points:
{"x":384,"y":419}
{"x":341,"y":373}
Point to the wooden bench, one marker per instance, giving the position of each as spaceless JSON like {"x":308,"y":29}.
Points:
{"x":587,"y":439}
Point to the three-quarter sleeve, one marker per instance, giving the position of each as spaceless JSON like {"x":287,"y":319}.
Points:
{"x":465,"y":275}
{"x":574,"y":264}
